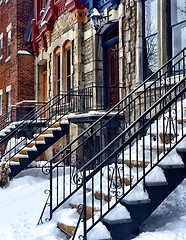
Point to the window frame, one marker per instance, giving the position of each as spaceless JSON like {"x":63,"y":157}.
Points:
{"x":67,"y":66}
{"x":170,"y":28}
{"x":57,"y":70}
{"x":145,"y":38}
{"x":9,"y":36}
{"x":1,"y":102}
{"x":1,"y":46}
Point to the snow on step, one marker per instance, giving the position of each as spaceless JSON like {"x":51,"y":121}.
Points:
{"x":67,"y":220}
{"x":31,"y":149}
{"x":136,"y":196}
{"x":2,"y":134}
{"x":155,"y":177}
{"x":172,"y":160}
{"x":118,"y":214}
{"x":21,"y":155}
{"x":48,"y":135}
{"x":89,"y":211}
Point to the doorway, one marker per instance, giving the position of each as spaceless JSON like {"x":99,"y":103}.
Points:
{"x":111,"y":66}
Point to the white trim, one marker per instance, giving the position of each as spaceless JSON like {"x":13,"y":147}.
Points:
{"x":9,"y":27}
{"x":1,"y":1}
{"x":8,"y":58}
{"x":8,"y":88}
{"x":1,"y":92}
{"x":1,"y":104}
{"x":1,"y":36}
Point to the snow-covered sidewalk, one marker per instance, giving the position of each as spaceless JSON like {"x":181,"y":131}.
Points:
{"x":22,"y":202}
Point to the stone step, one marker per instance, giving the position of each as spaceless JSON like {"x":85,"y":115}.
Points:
{"x":24,"y":152}
{"x":89,"y":211}
{"x":134,"y":163}
{"x":69,"y":230}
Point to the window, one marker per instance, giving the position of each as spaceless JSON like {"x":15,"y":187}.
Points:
{"x":178,"y":25}
{"x":67,"y":83}
{"x":9,"y":40}
{"x":1,"y":46}
{"x":1,"y":102}
{"x":150,"y":37}
{"x":58,"y":70}
{"x":8,"y":92}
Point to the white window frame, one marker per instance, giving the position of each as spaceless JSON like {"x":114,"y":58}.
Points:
{"x":1,"y":46}
{"x":8,"y":30}
{"x":8,"y":91}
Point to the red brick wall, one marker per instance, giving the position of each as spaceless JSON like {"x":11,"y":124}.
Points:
{"x":25,"y":77}
{"x":18,"y":71}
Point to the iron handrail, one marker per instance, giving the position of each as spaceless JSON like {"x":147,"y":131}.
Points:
{"x":180,"y":94}
{"x":148,"y":87}
{"x":122,"y":109}
{"x":36,"y":117}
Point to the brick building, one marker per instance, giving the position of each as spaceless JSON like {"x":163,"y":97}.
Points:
{"x":16,"y":60}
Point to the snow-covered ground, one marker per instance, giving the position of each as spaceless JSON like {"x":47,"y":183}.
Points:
{"x":22,"y":202}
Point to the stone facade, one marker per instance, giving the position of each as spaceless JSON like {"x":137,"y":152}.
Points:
{"x":121,"y":31}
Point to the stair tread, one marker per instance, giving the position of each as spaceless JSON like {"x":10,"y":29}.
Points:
{"x":69,"y":230}
{"x":156,"y":183}
{"x":135,"y":202}
{"x":169,"y":166}
{"x":119,"y":221}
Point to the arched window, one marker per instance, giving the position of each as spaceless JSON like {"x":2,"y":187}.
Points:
{"x":67,"y":65}
{"x":58,"y":70}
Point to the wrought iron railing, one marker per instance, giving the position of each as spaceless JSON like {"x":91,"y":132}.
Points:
{"x":102,"y":132}
{"x":120,"y":170}
{"x":5,"y":119}
{"x":39,"y":121}
{"x":44,"y":115}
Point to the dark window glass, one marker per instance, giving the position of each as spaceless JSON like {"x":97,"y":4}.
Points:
{"x":152,"y":54}
{"x":58,"y":67}
{"x":150,"y":37}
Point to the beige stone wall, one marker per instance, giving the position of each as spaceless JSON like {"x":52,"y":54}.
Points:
{"x":129,"y":43}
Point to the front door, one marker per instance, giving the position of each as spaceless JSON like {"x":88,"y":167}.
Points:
{"x":112,"y":75}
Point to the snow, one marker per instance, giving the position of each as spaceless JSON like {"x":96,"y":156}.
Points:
{"x":168,"y":222}
{"x":20,"y":206}
{"x":137,"y":194}
{"x":172,"y":159}
{"x":117,"y":213}
{"x":156,"y":176}
{"x":24,"y":52}
{"x":22,"y":202}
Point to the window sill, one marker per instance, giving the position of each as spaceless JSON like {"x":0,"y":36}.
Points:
{"x":1,"y":57}
{"x":8,"y":59}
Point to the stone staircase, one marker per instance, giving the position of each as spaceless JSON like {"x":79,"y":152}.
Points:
{"x":134,"y":208}
{"x":35,"y":147}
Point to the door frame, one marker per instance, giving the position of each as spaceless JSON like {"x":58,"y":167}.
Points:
{"x":105,"y":45}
